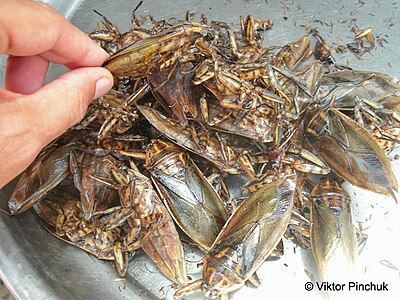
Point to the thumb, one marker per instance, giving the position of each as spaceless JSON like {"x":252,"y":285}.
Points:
{"x":29,"y":122}
{"x":63,"y":102}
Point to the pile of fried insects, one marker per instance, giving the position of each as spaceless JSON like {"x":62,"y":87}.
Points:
{"x":194,"y":105}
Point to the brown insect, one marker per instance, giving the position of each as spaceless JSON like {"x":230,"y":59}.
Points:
{"x":350,"y":150}
{"x":191,"y":200}
{"x":139,"y":58}
{"x":333,"y":236}
{"x":246,"y":240}
{"x":200,"y":142}
{"x":44,"y":174}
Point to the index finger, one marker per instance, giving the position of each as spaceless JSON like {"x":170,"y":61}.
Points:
{"x":33,"y":28}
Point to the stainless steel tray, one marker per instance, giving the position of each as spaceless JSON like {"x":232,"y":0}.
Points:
{"x":35,"y":265}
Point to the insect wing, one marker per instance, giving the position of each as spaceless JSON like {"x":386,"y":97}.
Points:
{"x":172,"y":129}
{"x":177,"y":93}
{"x":135,"y":58}
{"x":333,"y":236}
{"x":256,"y":227}
{"x":194,"y":204}
{"x":353,"y":153}
{"x":44,"y":174}
{"x":182,"y":136}
{"x":346,"y":85}
{"x":165,"y":249}
{"x":93,"y":192}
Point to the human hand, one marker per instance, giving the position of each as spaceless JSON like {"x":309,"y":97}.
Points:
{"x":33,"y":114}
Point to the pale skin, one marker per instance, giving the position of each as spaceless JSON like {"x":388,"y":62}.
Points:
{"x":32,"y":113}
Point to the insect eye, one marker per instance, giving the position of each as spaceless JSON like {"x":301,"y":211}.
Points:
{"x":113,"y":47}
{"x":330,"y":59}
{"x":248,"y":104}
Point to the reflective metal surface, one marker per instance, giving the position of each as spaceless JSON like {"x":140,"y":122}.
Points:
{"x":36,"y":265}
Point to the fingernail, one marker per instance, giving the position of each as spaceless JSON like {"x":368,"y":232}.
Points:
{"x":103,"y":85}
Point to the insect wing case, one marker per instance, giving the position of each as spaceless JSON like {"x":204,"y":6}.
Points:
{"x":249,"y":236}
{"x":333,"y":236}
{"x":350,"y":151}
{"x":193,"y":203}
